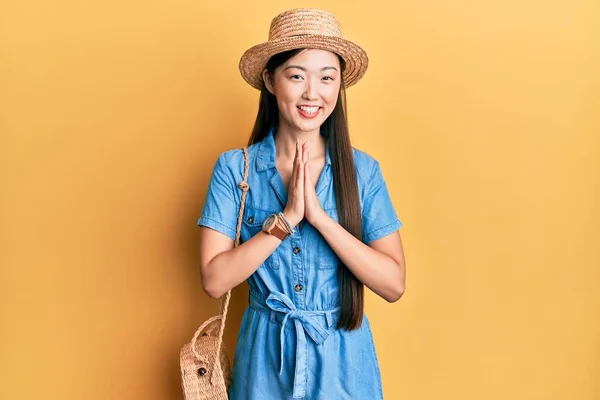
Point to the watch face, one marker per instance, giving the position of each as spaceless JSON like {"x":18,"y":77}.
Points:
{"x":269,"y":223}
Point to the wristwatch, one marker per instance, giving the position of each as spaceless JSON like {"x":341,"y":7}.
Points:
{"x":271,"y":226}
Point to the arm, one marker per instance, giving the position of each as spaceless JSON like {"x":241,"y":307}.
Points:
{"x":223,"y":266}
{"x":380,"y":265}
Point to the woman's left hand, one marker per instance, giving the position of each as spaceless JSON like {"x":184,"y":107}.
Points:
{"x":312,"y":208}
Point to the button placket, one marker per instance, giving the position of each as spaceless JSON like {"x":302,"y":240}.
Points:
{"x":298,"y":270}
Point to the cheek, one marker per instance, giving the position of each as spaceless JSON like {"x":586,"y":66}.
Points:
{"x":330,"y":96}
{"x":285,"y":95}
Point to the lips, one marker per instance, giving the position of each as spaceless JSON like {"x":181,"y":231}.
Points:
{"x":309,"y":111}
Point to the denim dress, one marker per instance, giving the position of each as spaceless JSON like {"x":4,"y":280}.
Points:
{"x":287,"y":346}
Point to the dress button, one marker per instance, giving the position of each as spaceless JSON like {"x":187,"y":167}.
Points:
{"x":298,"y":288}
{"x":250,"y":220}
{"x":296,"y":250}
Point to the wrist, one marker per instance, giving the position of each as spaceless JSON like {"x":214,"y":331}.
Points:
{"x":291,"y":219}
{"x":275,"y":225}
{"x":284,"y":223}
{"x":321,"y":219}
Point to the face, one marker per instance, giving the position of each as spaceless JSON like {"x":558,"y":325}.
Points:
{"x":306,"y":87}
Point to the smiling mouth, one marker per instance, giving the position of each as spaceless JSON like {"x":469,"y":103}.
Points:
{"x":309,"y":110}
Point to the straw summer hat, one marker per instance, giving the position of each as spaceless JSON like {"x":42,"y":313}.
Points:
{"x":304,"y":28}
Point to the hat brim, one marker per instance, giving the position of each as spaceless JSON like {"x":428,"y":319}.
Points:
{"x":254,"y":60}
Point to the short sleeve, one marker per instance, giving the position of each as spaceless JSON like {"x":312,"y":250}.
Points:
{"x":220,"y":207}
{"x":379,"y":218}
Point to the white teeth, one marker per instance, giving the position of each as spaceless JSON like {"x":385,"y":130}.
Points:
{"x":309,"y":110}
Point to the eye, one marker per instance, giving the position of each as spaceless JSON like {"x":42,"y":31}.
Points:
{"x":328,"y":78}
{"x":296,"y":77}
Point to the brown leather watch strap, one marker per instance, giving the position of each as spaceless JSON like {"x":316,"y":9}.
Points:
{"x":278,"y":232}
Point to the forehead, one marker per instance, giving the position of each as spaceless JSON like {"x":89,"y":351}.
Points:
{"x":314,"y":59}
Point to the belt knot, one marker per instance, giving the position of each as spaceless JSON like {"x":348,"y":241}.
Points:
{"x":305,"y":322}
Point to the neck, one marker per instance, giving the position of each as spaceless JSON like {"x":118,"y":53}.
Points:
{"x":285,"y":142}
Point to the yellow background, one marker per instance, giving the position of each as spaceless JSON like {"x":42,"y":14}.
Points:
{"x":483,"y":114}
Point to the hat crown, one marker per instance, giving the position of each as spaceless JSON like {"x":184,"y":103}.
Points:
{"x":304,"y":21}
{"x":304,"y":28}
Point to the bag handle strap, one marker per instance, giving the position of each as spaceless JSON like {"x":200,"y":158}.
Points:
{"x":224,"y":300}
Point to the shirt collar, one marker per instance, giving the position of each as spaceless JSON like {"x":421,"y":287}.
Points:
{"x":267,"y":152}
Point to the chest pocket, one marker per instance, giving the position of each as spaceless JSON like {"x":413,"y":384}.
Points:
{"x":251,"y":225}
{"x":327,"y":257}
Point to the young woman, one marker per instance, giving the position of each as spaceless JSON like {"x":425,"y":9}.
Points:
{"x":318,"y":224}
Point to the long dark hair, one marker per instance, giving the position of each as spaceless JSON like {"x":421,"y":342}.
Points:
{"x":335,"y":129}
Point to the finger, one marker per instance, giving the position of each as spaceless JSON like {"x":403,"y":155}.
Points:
{"x":307,"y":161}
{"x":303,"y":152}
{"x":304,"y":149}
{"x":300,"y":174}
{"x":308,"y":177}
{"x":294,"y":165}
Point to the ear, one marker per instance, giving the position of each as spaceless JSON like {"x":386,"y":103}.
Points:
{"x":268,"y":80}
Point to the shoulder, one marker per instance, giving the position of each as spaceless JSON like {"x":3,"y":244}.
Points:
{"x":366,"y":165}
{"x":232,"y":161}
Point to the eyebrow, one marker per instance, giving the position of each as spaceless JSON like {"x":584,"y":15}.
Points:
{"x":304,"y":69}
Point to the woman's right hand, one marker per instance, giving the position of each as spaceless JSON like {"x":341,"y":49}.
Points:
{"x":294,"y":210}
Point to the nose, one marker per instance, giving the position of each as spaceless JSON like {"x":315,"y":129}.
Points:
{"x":310,"y":92}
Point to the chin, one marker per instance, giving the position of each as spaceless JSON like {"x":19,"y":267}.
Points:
{"x":309,"y":126}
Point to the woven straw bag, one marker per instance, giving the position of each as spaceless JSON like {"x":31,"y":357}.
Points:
{"x":205,"y":367}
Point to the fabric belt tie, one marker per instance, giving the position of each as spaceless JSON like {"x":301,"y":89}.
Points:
{"x":305,"y":323}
